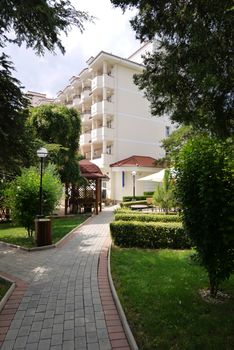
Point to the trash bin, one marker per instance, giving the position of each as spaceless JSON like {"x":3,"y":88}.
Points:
{"x":43,"y":232}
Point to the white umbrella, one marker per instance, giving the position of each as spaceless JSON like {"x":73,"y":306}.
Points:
{"x":156,"y":177}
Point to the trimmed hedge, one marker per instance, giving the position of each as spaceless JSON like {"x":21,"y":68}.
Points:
{"x":128,"y":204}
{"x":149,"y":194}
{"x":127,"y":210}
{"x":149,"y":235}
{"x":136,"y":198}
{"x":146,"y":217}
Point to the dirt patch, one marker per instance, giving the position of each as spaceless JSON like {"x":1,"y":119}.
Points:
{"x":220,"y":298}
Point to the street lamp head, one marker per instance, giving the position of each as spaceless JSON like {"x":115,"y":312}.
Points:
{"x":42,"y":152}
{"x":133,"y":173}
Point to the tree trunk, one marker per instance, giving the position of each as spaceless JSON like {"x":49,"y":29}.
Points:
{"x":66,"y":199}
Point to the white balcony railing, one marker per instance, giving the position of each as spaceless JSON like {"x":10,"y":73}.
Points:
{"x":102,"y":107}
{"x":102,"y":133}
{"x":103,"y":160}
{"x":102,"y":81}
{"x":85,"y":95}
{"x":86,"y":117}
{"x":76,"y":101}
{"x":85,"y":139}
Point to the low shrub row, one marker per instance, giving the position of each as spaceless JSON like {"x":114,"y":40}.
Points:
{"x":131,"y":198}
{"x":136,"y":216}
{"x":128,"y":204}
{"x":153,"y":235}
{"x":149,"y":194}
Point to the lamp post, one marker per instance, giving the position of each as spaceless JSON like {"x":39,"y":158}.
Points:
{"x":41,"y":153}
{"x":133,"y":184}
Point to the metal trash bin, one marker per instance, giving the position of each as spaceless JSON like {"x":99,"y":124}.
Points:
{"x":43,"y":234}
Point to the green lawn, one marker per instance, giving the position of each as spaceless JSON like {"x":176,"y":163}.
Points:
{"x":4,"y":286}
{"x":60,"y":227}
{"x":159,"y":292}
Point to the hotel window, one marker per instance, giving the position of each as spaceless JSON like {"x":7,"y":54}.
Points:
{"x":108,"y":149}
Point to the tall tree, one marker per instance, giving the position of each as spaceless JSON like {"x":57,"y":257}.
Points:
{"x":38,"y":24}
{"x":59,"y":129}
{"x":190,"y":75}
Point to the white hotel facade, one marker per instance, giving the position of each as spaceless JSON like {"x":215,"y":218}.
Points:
{"x":116,"y":119}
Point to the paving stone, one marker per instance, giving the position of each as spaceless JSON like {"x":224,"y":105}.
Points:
{"x":92,"y":337}
{"x":57,"y":328}
{"x":8,"y":345}
{"x":27,"y":321}
{"x":12,"y":334}
{"x":104,"y":344}
{"x":31,"y":346}
{"x":46,"y":333}
{"x":34,"y":337}
{"x":44,"y":344}
{"x":93,"y":346}
{"x":59,"y":319}
{"x":24,"y":330}
{"x":68,"y":334}
{"x":68,"y":345}
{"x":69,"y":324}
{"x":48,"y":322}
{"x":20,"y":342}
{"x":102,"y":333}
{"x":80,"y":331}
{"x":36,"y":326}
{"x":57,"y":339}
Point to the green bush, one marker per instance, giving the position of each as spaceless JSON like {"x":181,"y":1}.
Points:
{"x":131,"y":198}
{"x":148,"y":217}
{"x":149,"y":194}
{"x":22,"y":195}
{"x":205,"y":188}
{"x":128,"y":204}
{"x":149,"y":235}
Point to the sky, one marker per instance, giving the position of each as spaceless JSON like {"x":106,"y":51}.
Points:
{"x":111,"y":32}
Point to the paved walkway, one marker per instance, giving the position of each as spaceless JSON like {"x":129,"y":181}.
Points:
{"x":62,"y":299}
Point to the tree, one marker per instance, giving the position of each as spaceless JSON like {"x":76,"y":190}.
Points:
{"x":59,"y":127}
{"x":164,"y":194}
{"x":190,"y":75}
{"x":205,"y":189}
{"x":37,"y":23}
{"x":22,"y":195}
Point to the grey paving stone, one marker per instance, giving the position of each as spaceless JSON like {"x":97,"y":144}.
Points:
{"x":79,"y":321}
{"x":46,"y":333}
{"x":16,"y":324}
{"x":100,"y":324}
{"x":69,"y":315}
{"x":8,"y":345}
{"x":30,"y":312}
{"x":59,"y":319}
{"x":104,"y":344}
{"x":34,"y":337}
{"x":19,"y":315}
{"x":36,"y":326}
{"x":99,"y":315}
{"x":57,"y":328}
{"x":68,"y":334}
{"x":31,"y":346}
{"x":48,"y":322}
{"x":80,"y":343}
{"x":102,"y":333}
{"x":12,"y":334}
{"x":27,"y":321}
{"x":92,"y":337}
{"x":56,"y":347}
{"x":44,"y":344}
{"x":68,"y":345}
{"x":57,"y":339}
{"x":90,"y":327}
{"x":69,"y":324}
{"x":20,"y":342}
{"x":93,"y":346}
{"x":80,"y":332}
{"x":49,"y":314}
{"x":24,"y":330}
{"x":39,"y":316}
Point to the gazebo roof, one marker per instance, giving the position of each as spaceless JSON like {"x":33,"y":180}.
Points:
{"x":90,"y":170}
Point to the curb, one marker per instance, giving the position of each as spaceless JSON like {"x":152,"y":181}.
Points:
{"x":122,"y":315}
{"x":45,"y":247}
{"x":8,"y":293}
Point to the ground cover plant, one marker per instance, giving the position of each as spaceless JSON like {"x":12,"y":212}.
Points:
{"x":136,"y":216}
{"x":18,"y":235}
{"x":159,"y":291}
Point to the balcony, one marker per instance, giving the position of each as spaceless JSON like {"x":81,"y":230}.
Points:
{"x":76,"y":100}
{"x":102,"y":133}
{"x":103,"y":160}
{"x":86,"y":117}
{"x":102,"y":81}
{"x":85,"y":139}
{"x":103,"y":107}
{"x":85,"y":94}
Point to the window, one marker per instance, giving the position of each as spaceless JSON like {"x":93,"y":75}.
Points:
{"x":108,"y":124}
{"x":167,"y":131}
{"x":108,"y":149}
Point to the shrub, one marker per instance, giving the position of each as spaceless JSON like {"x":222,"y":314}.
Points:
{"x":149,"y":194}
{"x":22,"y":195}
{"x":128,"y":204}
{"x":164,"y":194}
{"x":131,"y":198}
{"x":149,"y":235}
{"x":205,"y":188}
{"x":146,"y":217}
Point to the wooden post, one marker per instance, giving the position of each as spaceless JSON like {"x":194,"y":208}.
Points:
{"x":97,"y":196}
{"x":100,"y":194}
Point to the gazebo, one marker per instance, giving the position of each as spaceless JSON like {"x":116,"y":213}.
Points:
{"x":88,"y":196}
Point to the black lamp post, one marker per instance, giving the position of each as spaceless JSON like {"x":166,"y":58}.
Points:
{"x":41,"y":153}
{"x":133,"y":184}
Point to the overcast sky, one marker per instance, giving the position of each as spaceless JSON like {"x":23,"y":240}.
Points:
{"x":49,"y":74}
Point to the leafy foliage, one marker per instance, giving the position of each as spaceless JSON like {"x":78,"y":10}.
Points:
{"x":153,"y":235}
{"x":164,"y":194}
{"x":148,"y":217}
{"x":22,"y":195}
{"x":38,"y":24}
{"x":190,"y":74}
{"x":205,"y":188}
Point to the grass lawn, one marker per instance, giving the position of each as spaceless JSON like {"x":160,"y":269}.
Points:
{"x":159,"y":293}
{"x":4,"y":286}
{"x":60,"y":227}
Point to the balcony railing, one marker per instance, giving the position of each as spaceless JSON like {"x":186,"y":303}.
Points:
{"x":105,"y":107}
{"x":86,"y":117}
{"x":104,"y":160}
{"x":102,"y":81}
{"x":76,"y":100}
{"x":102,"y":133}
{"x":85,"y":139}
{"x":85,"y":94}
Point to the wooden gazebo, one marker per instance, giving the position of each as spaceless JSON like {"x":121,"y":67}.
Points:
{"x":88,"y":196}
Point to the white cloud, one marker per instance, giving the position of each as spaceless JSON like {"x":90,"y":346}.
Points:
{"x":111,"y":32}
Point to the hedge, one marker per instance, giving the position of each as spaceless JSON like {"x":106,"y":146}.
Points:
{"x":149,"y":235}
{"x":128,"y":204}
{"x":149,"y":194}
{"x":146,"y":217}
{"x":127,"y":210}
{"x":131,"y":198}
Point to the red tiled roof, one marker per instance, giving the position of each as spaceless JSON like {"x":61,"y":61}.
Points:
{"x":142,"y":161}
{"x":90,"y":170}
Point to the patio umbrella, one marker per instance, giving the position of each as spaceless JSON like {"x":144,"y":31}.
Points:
{"x":156,"y":177}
